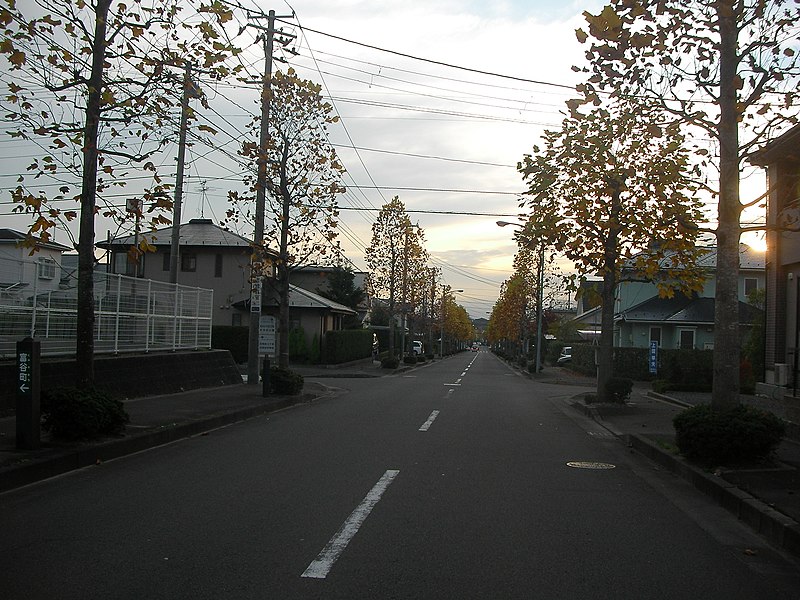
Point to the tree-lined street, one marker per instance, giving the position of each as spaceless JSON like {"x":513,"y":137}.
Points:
{"x":480,"y":503}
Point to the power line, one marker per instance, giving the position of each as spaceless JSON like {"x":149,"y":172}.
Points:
{"x":431,"y":61}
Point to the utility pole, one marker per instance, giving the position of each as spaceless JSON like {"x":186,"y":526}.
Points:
{"x":257,"y":257}
{"x":174,"y":248}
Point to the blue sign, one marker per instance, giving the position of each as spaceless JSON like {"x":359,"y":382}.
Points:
{"x":653,"y":357}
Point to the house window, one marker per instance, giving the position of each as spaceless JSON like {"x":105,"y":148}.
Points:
{"x":123,"y":265}
{"x":750,"y":285}
{"x":189,"y":262}
{"x":218,"y":265}
{"x":655,"y":335}
{"x":687,"y":339}
{"x":46,"y":268}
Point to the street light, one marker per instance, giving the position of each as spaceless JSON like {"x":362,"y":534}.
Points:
{"x":540,"y":283}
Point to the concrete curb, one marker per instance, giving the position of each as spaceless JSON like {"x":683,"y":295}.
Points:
{"x":779,"y":529}
{"x":26,"y":473}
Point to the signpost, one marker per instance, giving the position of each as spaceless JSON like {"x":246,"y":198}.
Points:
{"x":653,"y":357}
{"x":27,"y":394}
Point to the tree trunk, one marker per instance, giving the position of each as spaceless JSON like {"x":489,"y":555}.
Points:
{"x":283,"y":266}
{"x":726,"y":315}
{"x":84,"y":331}
{"x":605,"y":359}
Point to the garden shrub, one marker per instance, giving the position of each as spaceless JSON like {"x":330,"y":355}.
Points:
{"x":410,"y":359}
{"x":618,"y":389}
{"x":82,"y":414}
{"x":390,"y":362}
{"x":421,"y":358}
{"x":713,"y":437}
{"x":285,"y":382}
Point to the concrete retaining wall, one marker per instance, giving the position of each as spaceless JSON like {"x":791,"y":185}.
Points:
{"x":134,"y":375}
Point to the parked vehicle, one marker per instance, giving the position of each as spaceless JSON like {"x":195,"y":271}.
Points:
{"x":416,"y":347}
{"x":566,"y":356}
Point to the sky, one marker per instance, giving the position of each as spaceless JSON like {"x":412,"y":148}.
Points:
{"x":443,"y":131}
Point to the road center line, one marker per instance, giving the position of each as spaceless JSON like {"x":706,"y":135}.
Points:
{"x":427,"y":424}
{"x":321,"y":566}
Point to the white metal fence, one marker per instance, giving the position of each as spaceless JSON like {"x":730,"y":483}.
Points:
{"x":131,"y":315}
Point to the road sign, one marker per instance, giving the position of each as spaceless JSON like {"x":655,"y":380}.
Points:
{"x":266,"y":335}
{"x":653,"y":357}
{"x":27,"y":393}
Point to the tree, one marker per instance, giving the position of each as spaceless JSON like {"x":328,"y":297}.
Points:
{"x":728,"y":69}
{"x":395,"y":259}
{"x":604,"y":187}
{"x":303,"y":181}
{"x":342,"y":290}
{"x":93,"y":85}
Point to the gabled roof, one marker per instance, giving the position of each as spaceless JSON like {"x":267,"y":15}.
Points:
{"x":749,"y":259}
{"x":681,"y":309}
{"x":300,"y":298}
{"x":12,"y":236}
{"x":197,"y":232}
{"x":784,"y":146}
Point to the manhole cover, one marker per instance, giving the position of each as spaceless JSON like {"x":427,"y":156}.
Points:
{"x":598,"y":466}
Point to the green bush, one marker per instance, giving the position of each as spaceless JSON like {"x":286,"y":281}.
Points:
{"x":712,"y":437}
{"x":82,"y":414}
{"x":346,"y":345}
{"x":618,"y":389}
{"x":390,"y":362}
{"x":285,"y":382}
{"x":421,"y":358}
{"x":298,"y":348}
{"x":410,"y":359}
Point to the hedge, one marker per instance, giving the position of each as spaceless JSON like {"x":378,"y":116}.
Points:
{"x":346,"y":345}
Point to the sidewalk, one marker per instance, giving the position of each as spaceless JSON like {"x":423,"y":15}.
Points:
{"x":766,"y":498}
{"x":157,"y":420}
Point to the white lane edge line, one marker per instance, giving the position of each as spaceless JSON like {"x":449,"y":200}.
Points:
{"x":427,"y":424}
{"x":321,"y":566}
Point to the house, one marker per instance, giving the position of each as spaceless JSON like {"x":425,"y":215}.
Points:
{"x":23,"y":275}
{"x":781,"y":160}
{"x":209,"y":257}
{"x":215,"y":258}
{"x":682,"y":321}
{"x":316,"y":278}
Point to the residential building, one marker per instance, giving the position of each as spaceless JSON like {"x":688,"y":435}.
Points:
{"x":681,"y":321}
{"x":209,"y":256}
{"x":23,"y":274}
{"x":781,"y":160}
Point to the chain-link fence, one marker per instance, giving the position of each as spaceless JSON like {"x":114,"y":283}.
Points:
{"x":39,"y":299}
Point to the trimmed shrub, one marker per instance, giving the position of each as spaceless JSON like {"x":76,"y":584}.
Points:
{"x":618,"y":389}
{"x":82,"y":414}
{"x":410,"y":359}
{"x":298,"y":348}
{"x":390,"y":362}
{"x":285,"y":382}
{"x":346,"y":345}
{"x":421,"y":358}
{"x":712,"y":437}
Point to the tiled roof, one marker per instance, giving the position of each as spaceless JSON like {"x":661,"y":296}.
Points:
{"x":749,"y":259}
{"x":14,"y":236}
{"x":197,"y":232}
{"x":681,"y":309}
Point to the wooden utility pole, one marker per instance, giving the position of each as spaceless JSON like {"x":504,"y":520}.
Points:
{"x":258,"y":256}
{"x":174,"y":249}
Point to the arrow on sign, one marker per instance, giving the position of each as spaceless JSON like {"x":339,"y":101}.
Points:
{"x":23,"y":388}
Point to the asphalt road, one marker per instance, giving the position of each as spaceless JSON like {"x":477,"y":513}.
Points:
{"x":451,"y":482}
